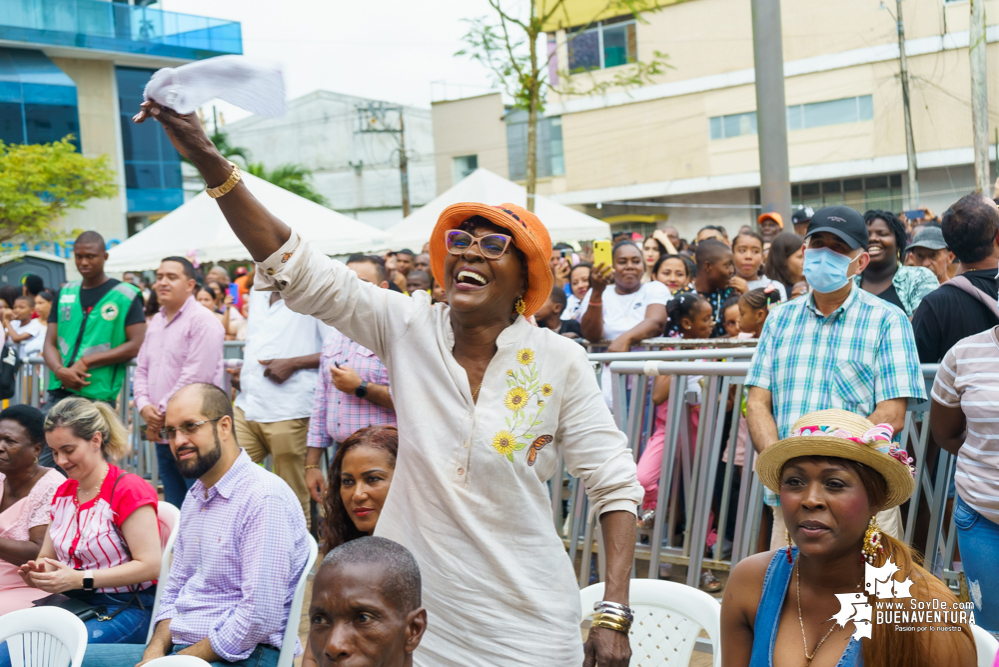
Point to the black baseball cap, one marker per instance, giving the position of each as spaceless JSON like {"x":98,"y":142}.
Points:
{"x":842,"y":221}
{"x":803,"y":214}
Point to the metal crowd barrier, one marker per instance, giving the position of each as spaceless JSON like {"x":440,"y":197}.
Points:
{"x":688,"y":465}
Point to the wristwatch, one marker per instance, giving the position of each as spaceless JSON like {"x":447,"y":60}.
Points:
{"x":362,"y":390}
{"x":88,"y":580}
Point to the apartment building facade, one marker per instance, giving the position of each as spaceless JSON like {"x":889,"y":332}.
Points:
{"x":683,"y":150}
{"x":79,"y":67}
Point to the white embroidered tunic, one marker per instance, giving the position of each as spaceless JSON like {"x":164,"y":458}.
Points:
{"x":469,"y":496}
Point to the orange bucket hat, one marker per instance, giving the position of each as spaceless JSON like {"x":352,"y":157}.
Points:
{"x":529,"y":235}
{"x":776,"y":217}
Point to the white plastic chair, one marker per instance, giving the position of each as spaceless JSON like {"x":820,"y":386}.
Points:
{"x":169,"y":519}
{"x":178,"y":661}
{"x":668,"y":618}
{"x":287,"y":656}
{"x":986,"y":645}
{"x":44,"y":637}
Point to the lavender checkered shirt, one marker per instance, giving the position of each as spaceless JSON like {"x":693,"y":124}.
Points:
{"x":335,"y":414}
{"x":237,"y":559}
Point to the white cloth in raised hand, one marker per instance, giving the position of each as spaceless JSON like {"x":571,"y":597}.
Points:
{"x":249,"y":84}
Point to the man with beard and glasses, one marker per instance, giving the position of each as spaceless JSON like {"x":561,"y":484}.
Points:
{"x":241,"y":548}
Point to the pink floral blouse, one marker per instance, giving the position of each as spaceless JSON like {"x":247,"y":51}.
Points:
{"x":37,"y":509}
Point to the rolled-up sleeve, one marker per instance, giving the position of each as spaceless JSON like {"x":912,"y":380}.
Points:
{"x":593,"y":447}
{"x":313,"y":284}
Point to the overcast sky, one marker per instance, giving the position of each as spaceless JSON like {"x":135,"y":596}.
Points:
{"x":389,"y":50}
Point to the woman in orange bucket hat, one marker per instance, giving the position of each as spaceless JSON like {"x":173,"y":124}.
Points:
{"x":488,"y":405}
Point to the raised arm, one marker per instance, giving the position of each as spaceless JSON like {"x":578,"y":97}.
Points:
{"x":254,"y":225}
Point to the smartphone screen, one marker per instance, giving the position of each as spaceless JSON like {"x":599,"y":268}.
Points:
{"x":914,"y":215}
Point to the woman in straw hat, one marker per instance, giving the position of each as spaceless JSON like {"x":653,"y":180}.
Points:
{"x":489,"y":407}
{"x":789,"y":607}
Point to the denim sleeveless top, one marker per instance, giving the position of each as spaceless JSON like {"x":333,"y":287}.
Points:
{"x":768,"y":615}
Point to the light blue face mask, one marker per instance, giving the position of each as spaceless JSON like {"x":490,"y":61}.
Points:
{"x":825,"y":270}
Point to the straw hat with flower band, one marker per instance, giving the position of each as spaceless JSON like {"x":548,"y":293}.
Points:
{"x":529,"y":235}
{"x":842,"y":434}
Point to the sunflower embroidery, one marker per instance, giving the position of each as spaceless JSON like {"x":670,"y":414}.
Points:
{"x":523,"y":387}
{"x":516,"y":399}
{"x":506,"y":444}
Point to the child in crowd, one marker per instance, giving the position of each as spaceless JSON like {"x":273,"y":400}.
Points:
{"x":730,"y":313}
{"x":417,"y":281}
{"x":747,"y":248}
{"x":693,"y":318}
{"x":674,"y":271}
{"x":785,"y":262}
{"x":579,"y":284}
{"x":25,"y":332}
{"x":715,"y":280}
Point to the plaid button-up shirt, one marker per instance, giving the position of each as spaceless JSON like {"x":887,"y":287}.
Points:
{"x":335,"y":414}
{"x":862,"y":354}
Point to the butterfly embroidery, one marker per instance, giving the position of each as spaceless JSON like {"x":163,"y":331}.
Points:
{"x":536,"y":447}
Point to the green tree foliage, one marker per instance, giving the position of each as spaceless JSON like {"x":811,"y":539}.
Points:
{"x":40,"y":182}
{"x":507,"y":44}
{"x":292,"y":177}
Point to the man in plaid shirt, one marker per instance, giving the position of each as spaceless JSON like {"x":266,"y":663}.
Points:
{"x":352,"y":392}
{"x":837,"y":347}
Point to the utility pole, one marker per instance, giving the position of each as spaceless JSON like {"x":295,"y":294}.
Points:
{"x":771,"y":111}
{"x":373,"y":119}
{"x":910,"y":144}
{"x":404,"y":167}
{"x":979,"y":96}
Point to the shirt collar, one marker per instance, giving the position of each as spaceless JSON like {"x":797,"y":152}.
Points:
{"x":850,"y":298}
{"x":184,"y":306}
{"x":227,"y":485}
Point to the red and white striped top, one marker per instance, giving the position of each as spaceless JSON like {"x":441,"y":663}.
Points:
{"x":84,"y":538}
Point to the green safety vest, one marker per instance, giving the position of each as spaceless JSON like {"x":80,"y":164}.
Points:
{"x":80,"y":334}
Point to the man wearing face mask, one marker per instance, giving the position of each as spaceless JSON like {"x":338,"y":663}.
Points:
{"x":840,"y":347}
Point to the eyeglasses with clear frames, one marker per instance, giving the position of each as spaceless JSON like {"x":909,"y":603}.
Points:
{"x":188,"y":429}
{"x":492,"y":246}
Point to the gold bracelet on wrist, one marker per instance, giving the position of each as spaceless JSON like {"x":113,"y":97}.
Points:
{"x":617,"y":627}
{"x":310,"y":467}
{"x":234,"y":178}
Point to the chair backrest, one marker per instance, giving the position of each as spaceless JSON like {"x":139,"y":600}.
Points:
{"x":169,"y":519}
{"x":986,"y":645}
{"x":287,"y":656}
{"x":178,"y":661}
{"x":44,"y":637}
{"x":668,"y":618}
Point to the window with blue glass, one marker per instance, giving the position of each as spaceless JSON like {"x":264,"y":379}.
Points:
{"x":37,"y":99}
{"x":152,"y":165}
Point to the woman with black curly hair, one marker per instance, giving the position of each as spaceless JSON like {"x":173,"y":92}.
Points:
{"x":359,"y":479}
{"x":885,"y":276}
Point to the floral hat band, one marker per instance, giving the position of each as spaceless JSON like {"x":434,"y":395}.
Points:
{"x":878,"y":437}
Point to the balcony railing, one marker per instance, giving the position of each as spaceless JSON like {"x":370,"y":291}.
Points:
{"x":111,"y":26}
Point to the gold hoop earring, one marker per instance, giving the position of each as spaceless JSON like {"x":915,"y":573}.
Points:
{"x":787,"y":536}
{"x":520,"y":306}
{"x":872,"y":541}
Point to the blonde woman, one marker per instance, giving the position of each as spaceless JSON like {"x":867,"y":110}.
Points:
{"x":103,"y":545}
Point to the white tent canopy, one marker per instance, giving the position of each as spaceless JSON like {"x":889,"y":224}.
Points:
{"x":482,"y":185}
{"x":199,"y":225}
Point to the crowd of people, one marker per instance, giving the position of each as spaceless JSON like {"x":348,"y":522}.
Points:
{"x":446,"y":388}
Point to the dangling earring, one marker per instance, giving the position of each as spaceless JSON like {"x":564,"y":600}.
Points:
{"x":787,"y":536}
{"x":872,"y":541}
{"x":520,"y":306}
{"x":36,"y":460}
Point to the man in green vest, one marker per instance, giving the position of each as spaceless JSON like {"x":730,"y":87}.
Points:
{"x":96,"y":327}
